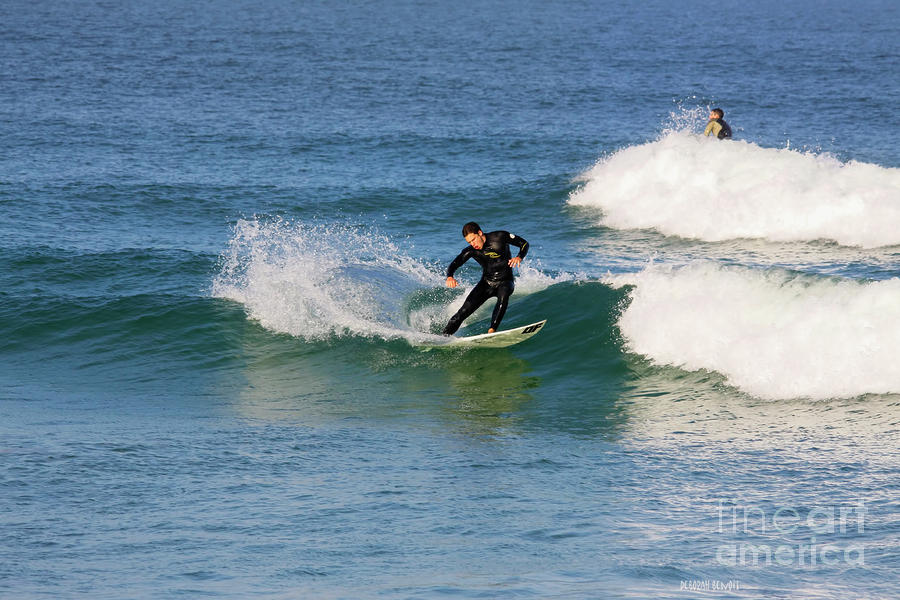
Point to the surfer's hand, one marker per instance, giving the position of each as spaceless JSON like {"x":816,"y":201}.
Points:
{"x":451,"y":282}
{"x":515,"y":261}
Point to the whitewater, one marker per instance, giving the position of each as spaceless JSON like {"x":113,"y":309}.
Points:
{"x":775,"y":334}
{"x":691,"y":186}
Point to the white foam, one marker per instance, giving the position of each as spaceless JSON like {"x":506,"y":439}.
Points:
{"x":774,"y":334}
{"x":315,"y":281}
{"x":698,"y":187}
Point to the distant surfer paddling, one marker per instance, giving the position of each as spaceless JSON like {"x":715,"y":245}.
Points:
{"x":717,"y":125}
{"x":491,"y":251}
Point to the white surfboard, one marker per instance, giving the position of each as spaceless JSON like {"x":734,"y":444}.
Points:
{"x":498,"y":339}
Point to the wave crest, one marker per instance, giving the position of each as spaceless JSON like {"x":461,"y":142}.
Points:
{"x":696,"y":187}
{"x":774,"y":334}
{"x":319,"y":281}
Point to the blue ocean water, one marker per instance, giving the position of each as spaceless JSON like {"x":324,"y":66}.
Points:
{"x":225,"y":231}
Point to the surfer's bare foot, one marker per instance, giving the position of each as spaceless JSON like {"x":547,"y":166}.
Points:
{"x":491,"y":330}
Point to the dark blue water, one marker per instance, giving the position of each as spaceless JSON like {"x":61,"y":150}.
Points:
{"x":225,"y":229}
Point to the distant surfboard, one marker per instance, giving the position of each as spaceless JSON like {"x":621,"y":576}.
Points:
{"x":498,"y":339}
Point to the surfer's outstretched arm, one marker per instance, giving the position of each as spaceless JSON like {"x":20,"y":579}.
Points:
{"x":522,"y":244}
{"x":457,"y":263}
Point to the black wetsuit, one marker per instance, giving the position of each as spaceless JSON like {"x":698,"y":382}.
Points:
{"x":725,"y":130}
{"x":496,"y":278}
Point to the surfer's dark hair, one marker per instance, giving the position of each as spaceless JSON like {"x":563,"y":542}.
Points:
{"x":719,"y":112}
{"x":471,"y":227}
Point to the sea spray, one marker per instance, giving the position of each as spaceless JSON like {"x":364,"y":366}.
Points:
{"x":774,"y":334}
{"x":696,"y":187}
{"x":316,"y":281}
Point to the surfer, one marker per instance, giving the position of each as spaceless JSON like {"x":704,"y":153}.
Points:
{"x":491,"y":251}
{"x":717,"y":125}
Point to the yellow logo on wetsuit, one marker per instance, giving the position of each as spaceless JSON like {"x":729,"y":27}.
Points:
{"x":492,"y":254}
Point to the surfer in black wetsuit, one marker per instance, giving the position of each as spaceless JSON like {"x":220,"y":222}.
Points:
{"x":491,"y":251}
{"x":717,"y":125}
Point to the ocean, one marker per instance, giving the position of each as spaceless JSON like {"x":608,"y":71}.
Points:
{"x":226,"y":227}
